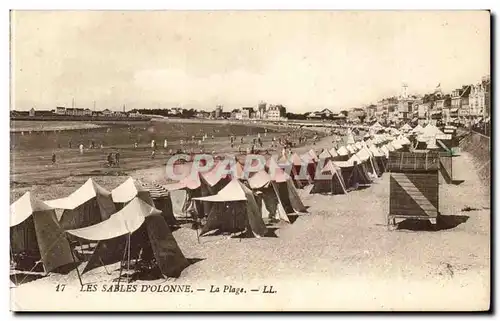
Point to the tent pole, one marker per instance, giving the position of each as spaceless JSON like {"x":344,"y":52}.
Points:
{"x":102,"y":264}
{"x":12,"y":255}
{"x":76,"y":267}
{"x":121,"y":263}
{"x":128,"y":267}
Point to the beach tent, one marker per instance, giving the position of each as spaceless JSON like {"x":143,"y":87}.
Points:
{"x":301,"y":169}
{"x":395,"y":143}
{"x":127,"y":191}
{"x":367,"y":160}
{"x":363,"y":169}
{"x":285,"y":188}
{"x":351,"y":174}
{"x":273,"y":200}
{"x":235,"y":209}
{"x":88,"y":205}
{"x":385,"y":150}
{"x":333,"y":152}
{"x":430,"y":132}
{"x":35,"y":235}
{"x":161,"y":200}
{"x":343,"y":154}
{"x":351,"y":149}
{"x":325,"y":155}
{"x":380,"y":158}
{"x":390,"y":147}
{"x":139,"y":231}
{"x":405,"y":128}
{"x":330,"y":180}
{"x":417,"y":129}
{"x":349,"y":138}
{"x":313,"y":155}
{"x":183,"y":192}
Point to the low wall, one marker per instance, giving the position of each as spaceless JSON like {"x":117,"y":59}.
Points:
{"x":479,"y":146}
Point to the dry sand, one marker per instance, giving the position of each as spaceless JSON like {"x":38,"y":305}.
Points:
{"x":339,"y":256}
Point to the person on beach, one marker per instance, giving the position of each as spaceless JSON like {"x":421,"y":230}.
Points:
{"x":53,"y":158}
{"x":81,"y":148}
{"x":153,"y":154}
{"x":136,"y":145}
{"x":165,"y":143}
{"x":69,"y":144}
{"x":110,"y":159}
{"x":117,"y":158}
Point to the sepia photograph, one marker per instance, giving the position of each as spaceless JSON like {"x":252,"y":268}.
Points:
{"x":253,"y":160}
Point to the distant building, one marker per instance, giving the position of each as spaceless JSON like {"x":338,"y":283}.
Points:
{"x":175,"y":111}
{"x":218,"y":111}
{"x":246,"y":113}
{"x":261,"y":110}
{"x":276,"y":112}
{"x":107,"y":113}
{"x":87,"y":112}
{"x":61,"y":110}
{"x":31,"y":113}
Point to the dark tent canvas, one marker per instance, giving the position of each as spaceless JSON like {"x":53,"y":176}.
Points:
{"x":145,"y":229}
{"x":330,"y":180}
{"x":234,"y":210}
{"x":88,"y":205}
{"x":35,"y":233}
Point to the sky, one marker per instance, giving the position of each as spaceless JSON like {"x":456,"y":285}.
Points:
{"x":304,"y":60}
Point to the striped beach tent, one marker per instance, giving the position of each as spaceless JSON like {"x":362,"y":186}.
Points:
{"x":161,"y":199}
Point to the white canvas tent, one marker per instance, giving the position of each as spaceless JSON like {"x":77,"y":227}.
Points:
{"x":88,"y":205}
{"x":137,"y":230}
{"x":235,"y":209}
{"x":35,"y":235}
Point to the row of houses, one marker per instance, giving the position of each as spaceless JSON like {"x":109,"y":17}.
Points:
{"x":263,"y":111}
{"x":75,"y":112}
{"x":466,"y":105}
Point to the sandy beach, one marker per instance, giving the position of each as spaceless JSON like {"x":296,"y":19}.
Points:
{"x":342,"y":250}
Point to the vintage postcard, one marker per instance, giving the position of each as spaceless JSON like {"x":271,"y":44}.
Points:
{"x":250,"y":161}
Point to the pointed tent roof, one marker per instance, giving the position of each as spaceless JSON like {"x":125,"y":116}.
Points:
{"x":126,"y":191}
{"x":431,"y":131}
{"x":276,"y":173}
{"x":342,"y":151}
{"x":417,"y":129}
{"x":84,"y":193}
{"x":330,"y":167}
{"x":123,"y":222}
{"x":389,"y":147}
{"x":313,"y":155}
{"x":325,"y":154}
{"x":191,"y":182}
{"x":356,"y":159}
{"x":405,"y":128}
{"x":307,"y":158}
{"x":349,"y":138}
{"x":259,"y":179}
{"x":24,"y":207}
{"x":396,"y":144}
{"x":351,"y":149}
{"x":233,"y":191}
{"x":333,"y":152}
{"x":363,"y":154}
{"x":376,"y":152}
{"x":385,"y":150}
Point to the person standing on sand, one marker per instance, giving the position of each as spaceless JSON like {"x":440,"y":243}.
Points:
{"x":135,"y":145}
{"x":153,"y":154}
{"x":81,"y":148}
{"x":117,"y":158}
{"x":53,"y":158}
{"x":69,"y":144}
{"x":165,"y":143}
{"x":110,"y":159}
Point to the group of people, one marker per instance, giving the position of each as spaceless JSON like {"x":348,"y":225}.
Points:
{"x":113,"y":159}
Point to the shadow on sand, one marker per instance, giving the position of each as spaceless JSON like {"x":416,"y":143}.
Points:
{"x":444,"y":222}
